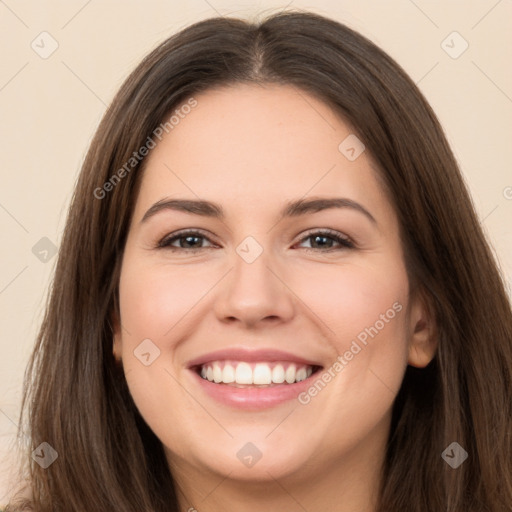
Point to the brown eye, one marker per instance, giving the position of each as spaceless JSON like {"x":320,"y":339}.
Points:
{"x":187,"y":241}
{"x":323,"y":241}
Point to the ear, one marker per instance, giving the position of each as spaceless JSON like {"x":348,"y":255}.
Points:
{"x":423,"y":338}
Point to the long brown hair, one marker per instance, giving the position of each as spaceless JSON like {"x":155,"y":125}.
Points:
{"x":75,"y":394}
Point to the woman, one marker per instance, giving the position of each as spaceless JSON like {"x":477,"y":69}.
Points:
{"x":272,"y":290}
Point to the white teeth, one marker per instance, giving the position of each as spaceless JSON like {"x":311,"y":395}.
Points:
{"x":301,"y":375}
{"x":262,"y":374}
{"x":228,"y":374}
{"x":290,"y":374}
{"x":217,"y":373}
{"x":278,"y":374}
{"x":243,"y":374}
{"x":258,"y":374}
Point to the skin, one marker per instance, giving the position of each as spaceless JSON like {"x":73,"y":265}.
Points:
{"x":251,"y":149}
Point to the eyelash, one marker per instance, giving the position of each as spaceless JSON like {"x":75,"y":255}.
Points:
{"x":344,"y":241}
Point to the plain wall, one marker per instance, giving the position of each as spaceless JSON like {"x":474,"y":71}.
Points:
{"x":50,"y":108}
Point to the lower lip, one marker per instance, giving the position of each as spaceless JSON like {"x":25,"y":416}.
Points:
{"x":254,"y":398}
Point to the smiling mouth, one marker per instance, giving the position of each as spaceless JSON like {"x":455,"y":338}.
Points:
{"x":241,"y":374}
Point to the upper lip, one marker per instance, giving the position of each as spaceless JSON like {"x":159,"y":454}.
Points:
{"x":241,"y":354}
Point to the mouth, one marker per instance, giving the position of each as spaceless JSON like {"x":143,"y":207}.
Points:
{"x":261,"y":374}
{"x":252,"y":379}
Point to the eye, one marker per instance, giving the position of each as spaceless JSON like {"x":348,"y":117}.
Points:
{"x":319,"y":241}
{"x":322,"y":241}
{"x":187,"y":241}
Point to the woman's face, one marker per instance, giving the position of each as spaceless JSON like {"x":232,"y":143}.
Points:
{"x":253,"y":288}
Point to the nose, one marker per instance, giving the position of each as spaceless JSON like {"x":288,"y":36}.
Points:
{"x":254,"y":293}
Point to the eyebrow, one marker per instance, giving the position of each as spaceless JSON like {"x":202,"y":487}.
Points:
{"x":291,"y":209}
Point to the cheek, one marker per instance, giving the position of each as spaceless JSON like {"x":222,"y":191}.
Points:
{"x":349,"y":299}
{"x":371,"y":308}
{"x":364,"y":308}
{"x":157,"y":303}
{"x":155,"y":300}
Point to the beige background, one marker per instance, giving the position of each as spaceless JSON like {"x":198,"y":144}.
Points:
{"x":51,"y":107}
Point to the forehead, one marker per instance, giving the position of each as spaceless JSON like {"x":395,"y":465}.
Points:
{"x":255,"y":145}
